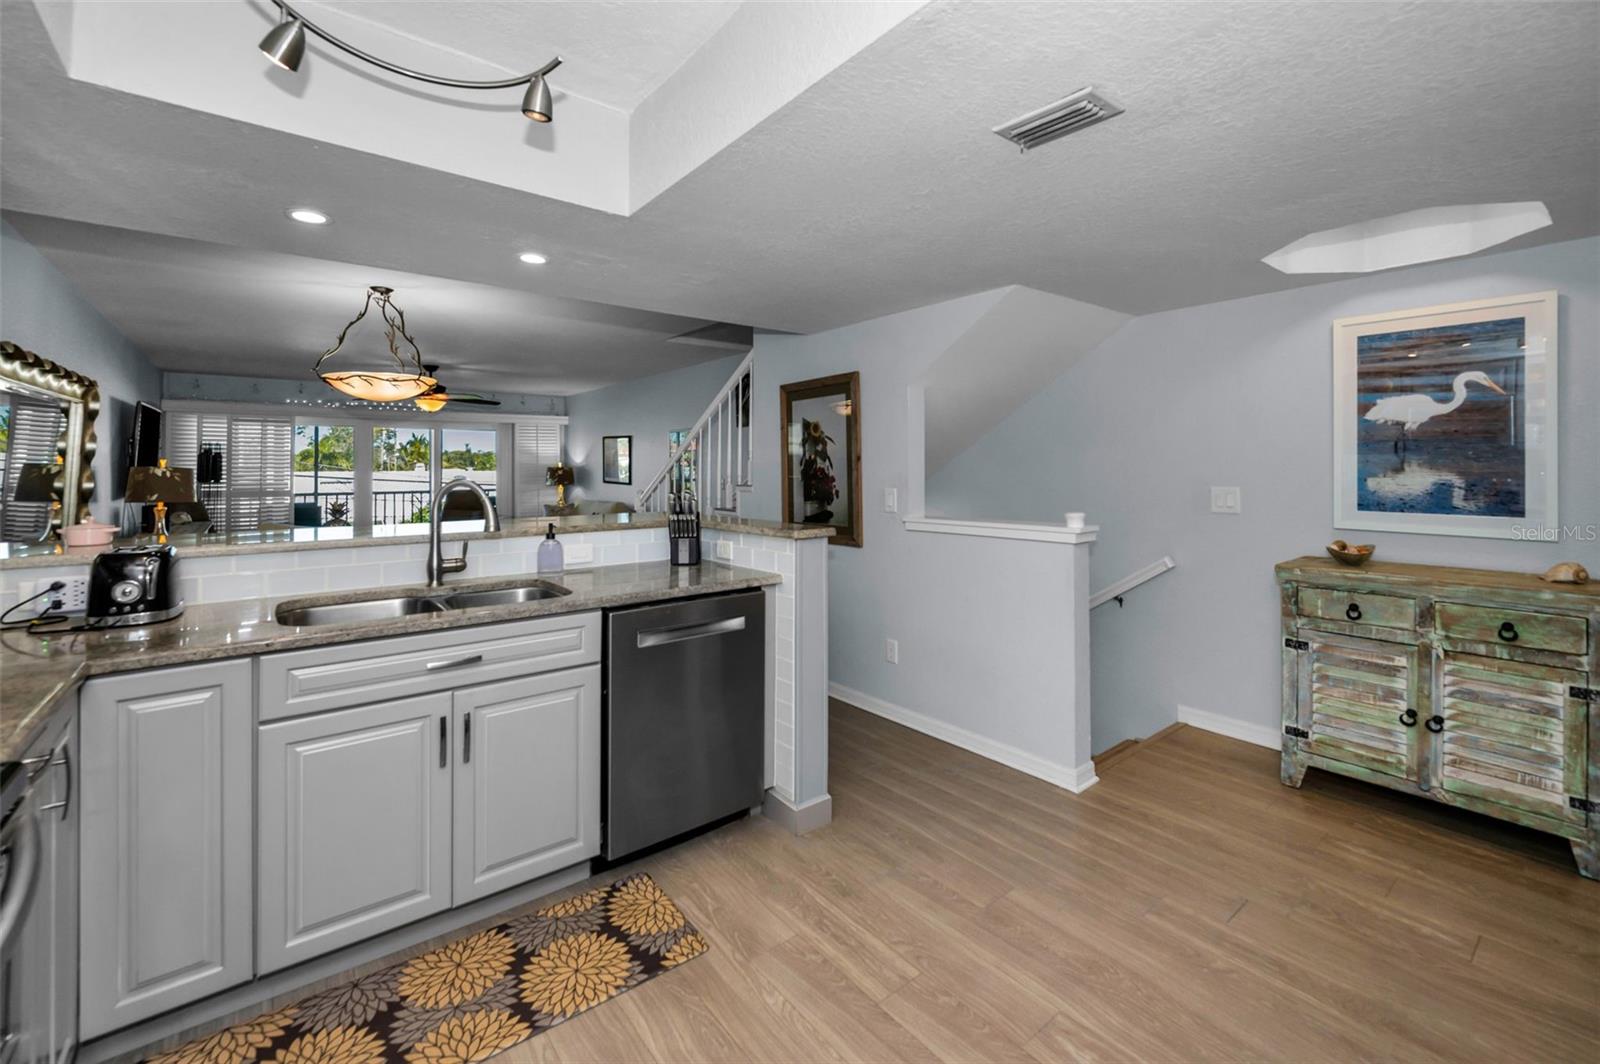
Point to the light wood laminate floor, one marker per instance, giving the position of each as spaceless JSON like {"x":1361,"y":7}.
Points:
{"x":1188,"y":907}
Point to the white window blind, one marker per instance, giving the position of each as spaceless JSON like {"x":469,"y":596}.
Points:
{"x":257,"y":488}
{"x":35,"y":436}
{"x":538,"y":444}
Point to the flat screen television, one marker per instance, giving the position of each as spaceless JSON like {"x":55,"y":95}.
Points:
{"x":145,"y":446}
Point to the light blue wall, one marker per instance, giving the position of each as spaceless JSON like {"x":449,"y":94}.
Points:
{"x":1239,"y":393}
{"x":647,"y":409}
{"x":41,"y":311}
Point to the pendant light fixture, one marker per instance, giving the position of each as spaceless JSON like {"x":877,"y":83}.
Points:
{"x":406,"y":381}
{"x":285,"y":45}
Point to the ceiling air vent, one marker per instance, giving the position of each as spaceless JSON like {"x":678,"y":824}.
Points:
{"x":1069,"y":114}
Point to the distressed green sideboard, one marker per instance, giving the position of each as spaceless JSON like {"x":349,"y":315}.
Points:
{"x":1471,"y":687}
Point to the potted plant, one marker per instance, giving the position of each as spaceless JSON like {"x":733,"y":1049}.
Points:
{"x":817,"y":485}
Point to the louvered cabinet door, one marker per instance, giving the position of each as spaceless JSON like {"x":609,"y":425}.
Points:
{"x":1356,"y":696}
{"x":1512,"y":733}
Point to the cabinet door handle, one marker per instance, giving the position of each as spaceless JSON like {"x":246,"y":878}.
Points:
{"x":1508,"y":632}
{"x":64,"y":762}
{"x":1435,"y":724}
{"x":466,"y":738}
{"x":1409,"y":718}
{"x":444,"y":742}
{"x":1353,"y":611}
{"x":453,"y":663}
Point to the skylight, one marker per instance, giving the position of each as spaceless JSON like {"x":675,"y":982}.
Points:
{"x":1405,"y":239}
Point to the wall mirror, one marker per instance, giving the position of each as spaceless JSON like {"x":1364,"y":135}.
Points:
{"x":47,"y":444}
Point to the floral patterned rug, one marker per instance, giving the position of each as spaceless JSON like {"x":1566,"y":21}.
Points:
{"x":476,"y":996}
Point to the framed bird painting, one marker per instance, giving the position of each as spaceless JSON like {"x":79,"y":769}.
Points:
{"x":1444,"y":419}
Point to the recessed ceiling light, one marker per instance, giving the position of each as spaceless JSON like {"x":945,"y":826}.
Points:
{"x":533,"y":258}
{"x":308,"y":215}
{"x":1405,"y":239}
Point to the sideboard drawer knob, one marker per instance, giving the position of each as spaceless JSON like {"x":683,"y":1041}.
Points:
{"x":1508,"y":632}
{"x":1409,"y":718}
{"x":1353,"y":611}
{"x":1435,"y":724}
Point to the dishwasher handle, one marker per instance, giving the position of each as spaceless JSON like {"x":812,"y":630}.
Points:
{"x":656,"y":637}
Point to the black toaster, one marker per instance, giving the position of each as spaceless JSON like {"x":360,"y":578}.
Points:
{"x":134,"y":585}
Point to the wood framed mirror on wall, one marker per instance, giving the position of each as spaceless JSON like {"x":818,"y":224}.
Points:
{"x":821,"y":447}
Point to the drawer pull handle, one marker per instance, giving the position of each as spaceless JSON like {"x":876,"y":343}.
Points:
{"x":1409,"y":718}
{"x":1508,"y":632}
{"x":1435,"y":724}
{"x":444,"y":742}
{"x":1353,"y":611}
{"x":454,"y":663}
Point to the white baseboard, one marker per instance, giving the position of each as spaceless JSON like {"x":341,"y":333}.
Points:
{"x":1232,"y":727}
{"x":799,"y":819}
{"x":1077,"y":780}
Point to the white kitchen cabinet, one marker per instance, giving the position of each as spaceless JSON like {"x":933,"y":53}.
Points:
{"x":527,"y":779}
{"x":165,"y":850}
{"x":354,"y":825}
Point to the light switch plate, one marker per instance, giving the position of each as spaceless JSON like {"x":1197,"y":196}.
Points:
{"x":891,"y":500}
{"x":725,"y":549}
{"x":1226,"y":501}
{"x":578,"y":554}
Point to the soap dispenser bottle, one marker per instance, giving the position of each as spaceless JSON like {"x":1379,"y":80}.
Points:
{"x":550,"y":554}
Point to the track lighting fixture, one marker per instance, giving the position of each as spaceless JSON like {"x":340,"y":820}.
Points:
{"x":285,"y":45}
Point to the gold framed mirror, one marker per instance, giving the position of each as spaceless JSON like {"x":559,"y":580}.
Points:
{"x":50,"y":413}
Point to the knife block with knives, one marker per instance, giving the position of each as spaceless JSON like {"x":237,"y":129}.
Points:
{"x":683,"y":530}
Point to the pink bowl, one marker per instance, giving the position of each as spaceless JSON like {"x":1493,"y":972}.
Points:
{"x":88,"y":534}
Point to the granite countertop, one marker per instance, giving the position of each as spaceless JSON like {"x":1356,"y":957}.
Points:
{"x":38,"y":669}
{"x":43,"y":555}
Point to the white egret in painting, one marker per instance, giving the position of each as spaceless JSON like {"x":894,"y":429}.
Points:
{"x":1411,"y":411}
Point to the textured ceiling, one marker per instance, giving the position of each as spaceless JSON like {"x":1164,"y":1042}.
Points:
{"x":880,"y":187}
{"x":207,"y":308}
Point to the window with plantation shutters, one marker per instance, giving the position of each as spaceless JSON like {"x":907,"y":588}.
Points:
{"x":538,"y":445}
{"x":33,"y":435}
{"x":257,"y":486}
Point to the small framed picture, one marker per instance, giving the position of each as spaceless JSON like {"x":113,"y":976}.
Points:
{"x":616,"y":459}
{"x":1444,"y":419}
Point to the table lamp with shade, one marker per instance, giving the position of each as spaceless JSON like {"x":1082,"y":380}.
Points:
{"x":36,"y":482}
{"x":561,"y":476}
{"x":160,"y":484}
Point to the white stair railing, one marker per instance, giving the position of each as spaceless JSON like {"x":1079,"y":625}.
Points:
{"x":1115,"y":592}
{"x":711,"y":466}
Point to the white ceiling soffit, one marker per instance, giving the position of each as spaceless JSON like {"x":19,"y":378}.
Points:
{"x":1409,"y":238}
{"x":1023,"y":342}
{"x":208,"y":308}
{"x":647,"y":92}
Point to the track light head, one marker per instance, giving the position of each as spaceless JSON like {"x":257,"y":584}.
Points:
{"x":285,"y":44}
{"x":536,"y":101}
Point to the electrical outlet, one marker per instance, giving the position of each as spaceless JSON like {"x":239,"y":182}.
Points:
{"x":725,"y":549}
{"x":577,"y":554}
{"x":891,"y":500}
{"x":74,"y":597}
{"x":1226,"y":501}
{"x":891,"y":651}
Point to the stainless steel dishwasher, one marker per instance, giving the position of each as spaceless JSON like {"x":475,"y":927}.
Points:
{"x":685,"y":716}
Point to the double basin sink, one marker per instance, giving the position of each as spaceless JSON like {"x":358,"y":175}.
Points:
{"x":384,"y":609}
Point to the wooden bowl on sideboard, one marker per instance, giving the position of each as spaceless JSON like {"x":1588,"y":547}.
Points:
{"x":1348,"y":553}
